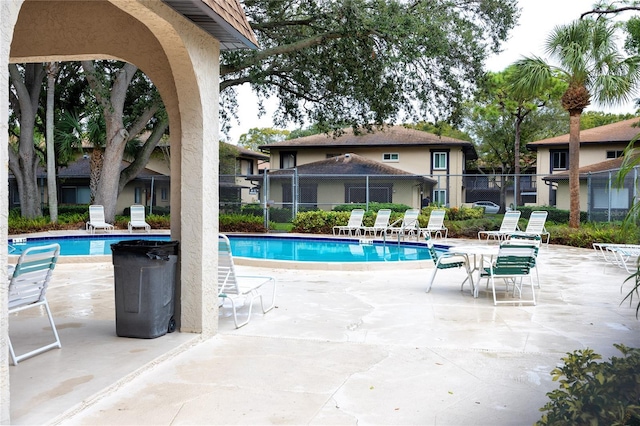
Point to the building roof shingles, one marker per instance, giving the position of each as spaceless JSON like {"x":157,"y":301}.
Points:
{"x":349,"y":164}
{"x":620,"y":132}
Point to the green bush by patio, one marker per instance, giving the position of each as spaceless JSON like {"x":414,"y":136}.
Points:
{"x":595,"y":393}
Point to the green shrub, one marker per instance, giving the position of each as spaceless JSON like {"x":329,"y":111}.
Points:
{"x":595,"y":393}
{"x":555,"y":215}
{"x":254,"y":209}
{"x":319,"y":221}
{"x":241,"y":223}
{"x":280,"y":215}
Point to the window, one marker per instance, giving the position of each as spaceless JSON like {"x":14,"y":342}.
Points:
{"x":559,"y":160}
{"x":440,"y":197}
{"x":439,"y":161}
{"x":615,"y":154}
{"x":137,"y":195}
{"x":617,"y":199}
{"x":287,"y":159}
{"x":391,"y":156}
{"x":378,"y":192}
{"x":75,"y":195}
{"x":245,"y":167}
{"x":164,"y":194}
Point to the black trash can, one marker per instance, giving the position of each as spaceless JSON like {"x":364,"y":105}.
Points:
{"x":145,"y":282}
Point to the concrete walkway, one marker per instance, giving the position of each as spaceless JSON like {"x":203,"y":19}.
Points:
{"x":342,"y":347}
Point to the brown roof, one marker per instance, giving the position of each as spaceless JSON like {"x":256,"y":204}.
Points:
{"x":620,"y":132}
{"x":389,"y":136}
{"x":349,"y":164}
{"x":244,"y":152}
{"x":223,"y":19}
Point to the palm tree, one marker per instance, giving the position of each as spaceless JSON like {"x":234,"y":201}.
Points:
{"x":590,"y":63}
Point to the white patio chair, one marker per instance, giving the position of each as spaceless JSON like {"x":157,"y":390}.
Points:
{"x":406,"y":226}
{"x":28,"y":287}
{"x":527,"y":240}
{"x":448,"y":260}
{"x":137,"y":219}
{"x":436,"y":227}
{"x":353,"y":226}
{"x":535,"y":226}
{"x":240,"y":290}
{"x":96,"y":219}
{"x":380,"y":225}
{"x":513,"y":263}
{"x":508,"y":226}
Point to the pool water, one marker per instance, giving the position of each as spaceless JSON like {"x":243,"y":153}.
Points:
{"x":99,"y":245}
{"x":324,"y":249}
{"x":301,"y":249}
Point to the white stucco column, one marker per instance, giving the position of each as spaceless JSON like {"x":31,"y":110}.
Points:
{"x":198,"y":231}
{"x":9,"y":10}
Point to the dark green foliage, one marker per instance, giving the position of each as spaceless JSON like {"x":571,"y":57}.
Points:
{"x":455,"y":213}
{"x":254,"y":209}
{"x":593,"y":392}
{"x":363,"y":62}
{"x":319,"y":221}
{"x":555,"y":215}
{"x":280,"y":215}
{"x":241,"y":223}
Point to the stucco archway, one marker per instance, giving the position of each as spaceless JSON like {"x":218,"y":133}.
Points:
{"x":183,"y":62}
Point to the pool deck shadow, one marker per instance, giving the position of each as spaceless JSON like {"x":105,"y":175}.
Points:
{"x":342,"y":347}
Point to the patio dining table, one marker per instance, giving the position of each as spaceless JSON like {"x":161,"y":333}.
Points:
{"x":480,"y":253}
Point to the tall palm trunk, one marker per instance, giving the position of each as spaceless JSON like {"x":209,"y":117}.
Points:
{"x":574,"y":166}
{"x":52,"y":192}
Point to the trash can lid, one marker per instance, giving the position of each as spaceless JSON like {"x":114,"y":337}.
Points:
{"x":151,"y":248}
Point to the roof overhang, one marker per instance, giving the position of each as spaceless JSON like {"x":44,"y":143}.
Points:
{"x":207,"y":14}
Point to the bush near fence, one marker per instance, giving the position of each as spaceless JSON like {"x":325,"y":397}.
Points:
{"x":555,"y":215}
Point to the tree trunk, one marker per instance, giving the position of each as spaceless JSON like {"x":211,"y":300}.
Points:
{"x":107,"y":190}
{"x":95,"y":170}
{"x":516,"y":160}
{"x":52,"y":192}
{"x":23,"y":162}
{"x":116,"y":135}
{"x":574,"y":166}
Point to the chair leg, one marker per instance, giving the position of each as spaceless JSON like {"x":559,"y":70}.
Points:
{"x":433,"y":277}
{"x":56,"y":344}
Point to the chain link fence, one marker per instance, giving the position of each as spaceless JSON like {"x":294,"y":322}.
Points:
{"x":280,"y":194}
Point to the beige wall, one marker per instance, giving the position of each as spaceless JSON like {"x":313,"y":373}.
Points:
{"x":589,"y":154}
{"x":416,"y":160}
{"x":183,"y":63}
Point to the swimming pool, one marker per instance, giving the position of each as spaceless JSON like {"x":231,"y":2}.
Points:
{"x":277,"y":248}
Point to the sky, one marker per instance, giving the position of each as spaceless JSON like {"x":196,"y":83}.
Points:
{"x":537,"y":19}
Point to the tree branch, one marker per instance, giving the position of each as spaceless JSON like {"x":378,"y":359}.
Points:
{"x":279,"y":50}
{"x":609,"y":11}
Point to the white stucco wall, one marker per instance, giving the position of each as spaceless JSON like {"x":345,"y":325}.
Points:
{"x":183,"y":62}
{"x":9,"y":10}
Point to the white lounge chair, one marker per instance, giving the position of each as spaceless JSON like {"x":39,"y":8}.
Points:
{"x":96,"y":219}
{"x":436,"y":227}
{"x":28,"y":287}
{"x":380,"y":225}
{"x":240,"y":290}
{"x":137,"y":219}
{"x":508,"y":226}
{"x":406,"y":226}
{"x":353,"y":226}
{"x":535,"y":226}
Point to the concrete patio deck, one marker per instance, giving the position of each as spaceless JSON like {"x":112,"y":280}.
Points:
{"x":342,"y":347}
